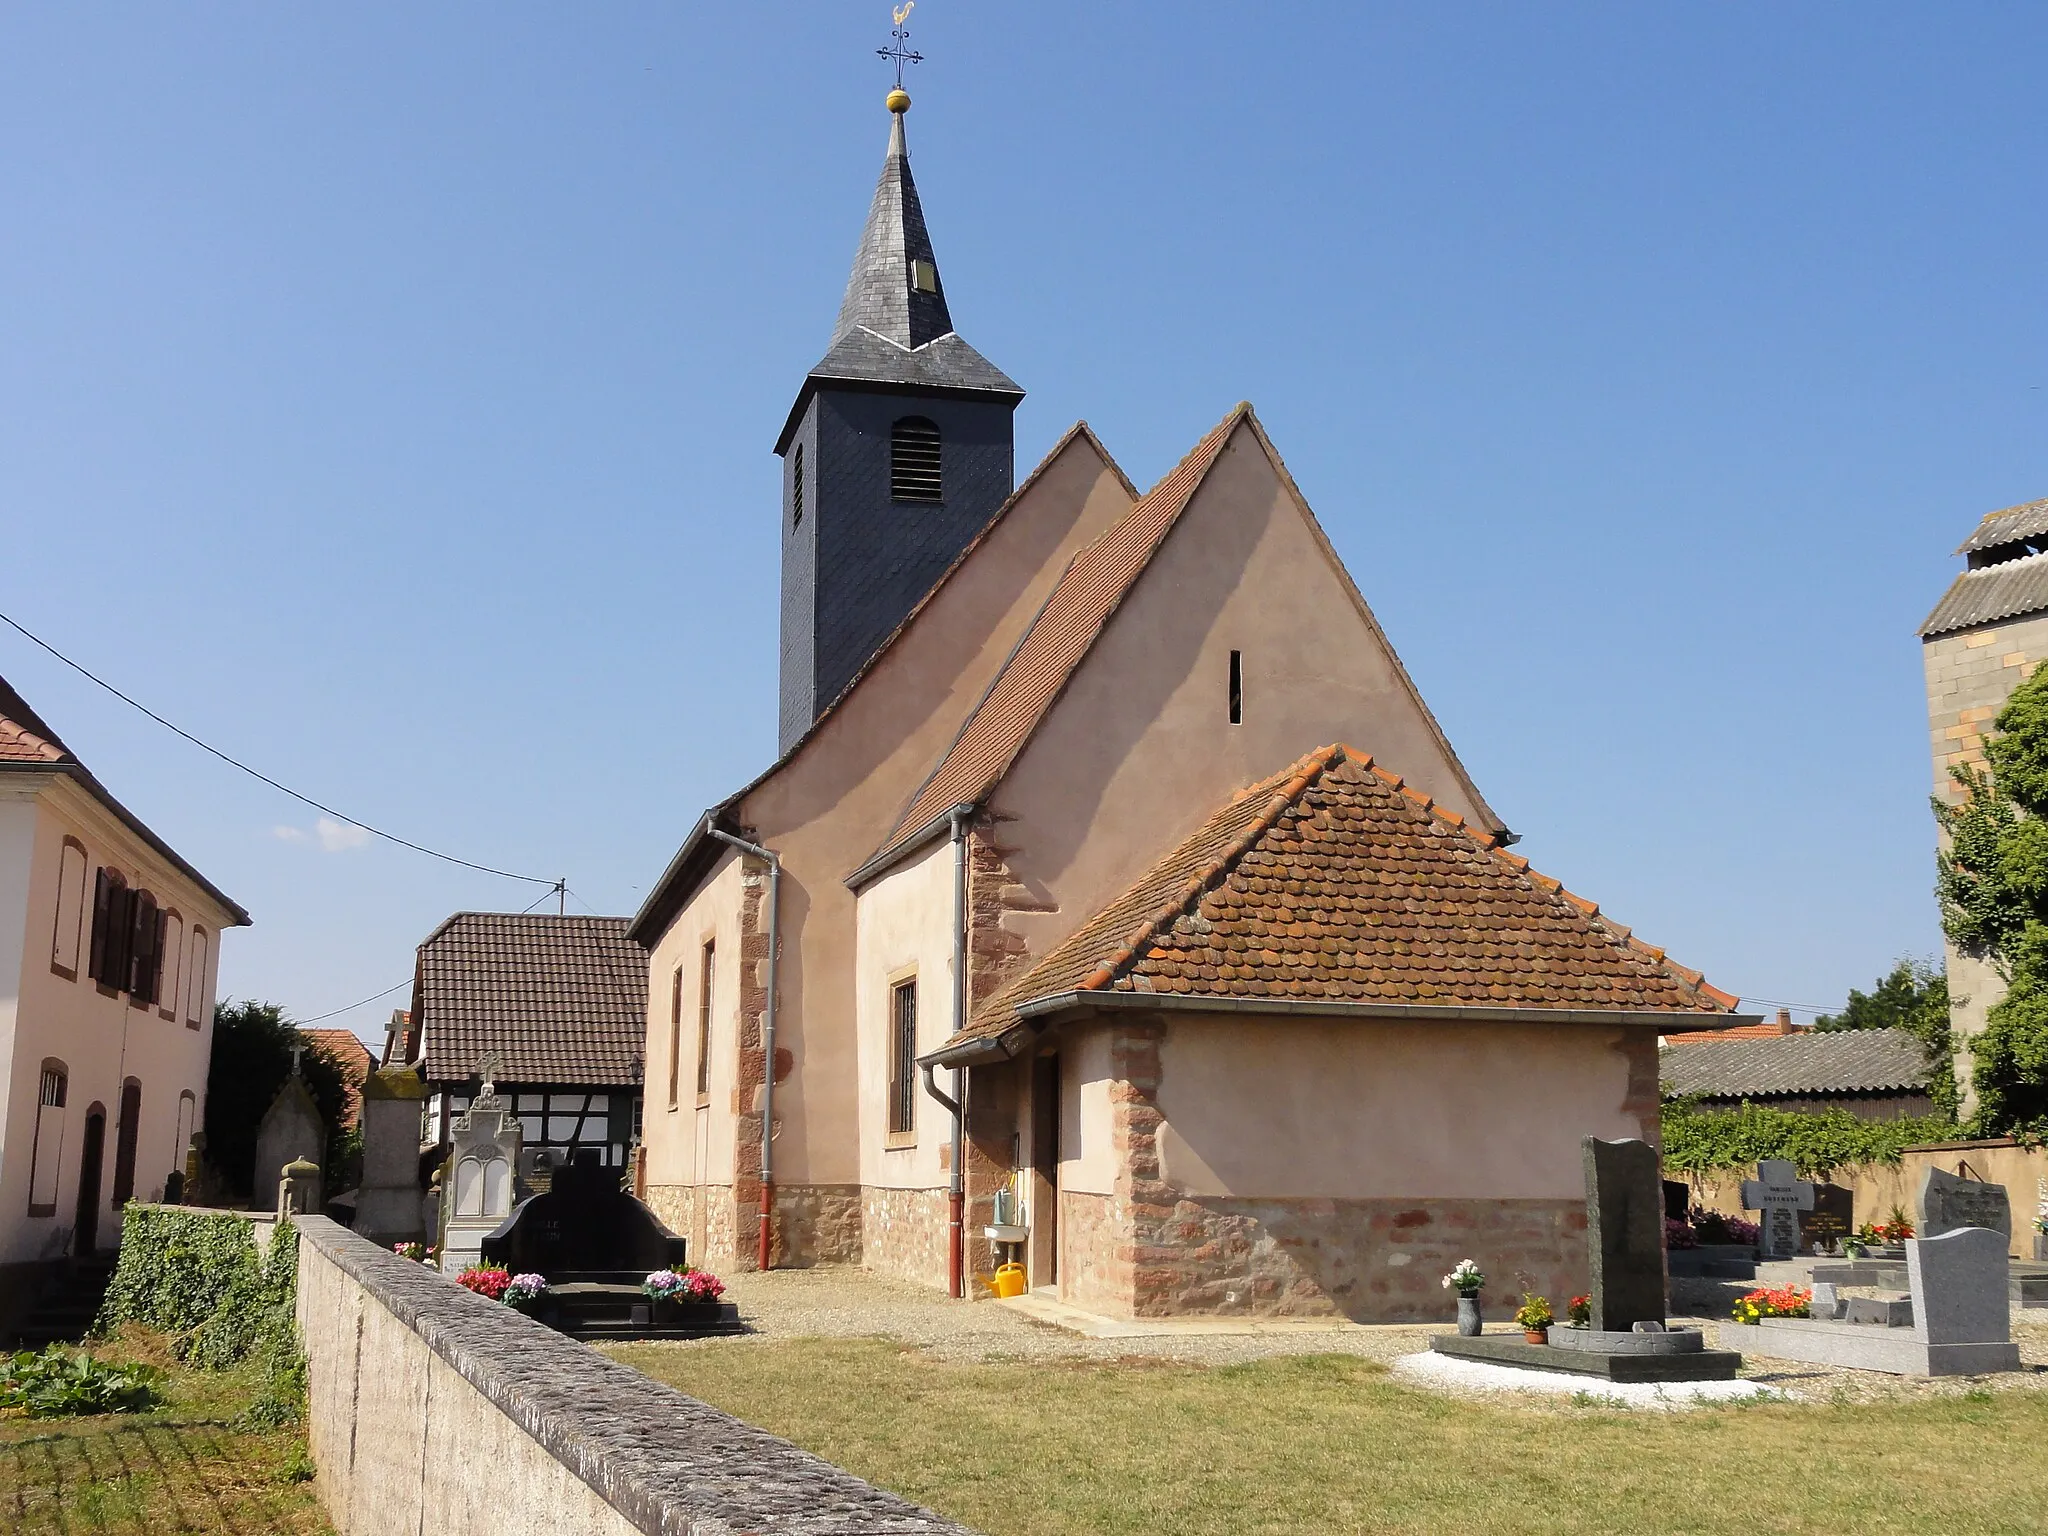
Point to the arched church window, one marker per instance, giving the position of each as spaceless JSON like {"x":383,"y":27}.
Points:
{"x":914,"y":460}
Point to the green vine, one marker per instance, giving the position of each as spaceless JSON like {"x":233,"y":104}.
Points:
{"x":1709,"y":1141}
{"x":198,"y":1277}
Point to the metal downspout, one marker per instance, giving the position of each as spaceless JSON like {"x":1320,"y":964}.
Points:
{"x":956,"y":1200}
{"x":774,"y":863}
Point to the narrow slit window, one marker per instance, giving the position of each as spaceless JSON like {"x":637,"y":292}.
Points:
{"x":706,"y":978}
{"x":1237,"y":687}
{"x":675,"y":1036}
{"x":796,"y":487}
{"x":914,"y":460}
{"x":903,"y":1057}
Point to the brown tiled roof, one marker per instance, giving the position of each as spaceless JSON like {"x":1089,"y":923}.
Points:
{"x":1333,"y":881}
{"x":353,"y":1057}
{"x":23,"y":736}
{"x":1095,"y":583}
{"x":556,"y":999}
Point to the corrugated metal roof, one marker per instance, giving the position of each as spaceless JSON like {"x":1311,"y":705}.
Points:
{"x":1994,"y":592}
{"x":1813,"y":1062}
{"x":2007,"y":526}
{"x":556,"y":999}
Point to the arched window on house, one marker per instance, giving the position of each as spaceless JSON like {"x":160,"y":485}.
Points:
{"x":914,"y":460}
{"x":46,"y":1162}
{"x":69,"y":935}
{"x":195,"y":979}
{"x":168,"y":993}
{"x":124,"y":1142}
{"x":188,"y":1122}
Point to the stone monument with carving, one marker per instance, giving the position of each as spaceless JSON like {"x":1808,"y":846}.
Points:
{"x":476,"y":1184}
{"x":291,"y":1131}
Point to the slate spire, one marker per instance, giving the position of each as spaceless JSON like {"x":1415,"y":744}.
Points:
{"x":888,"y":292}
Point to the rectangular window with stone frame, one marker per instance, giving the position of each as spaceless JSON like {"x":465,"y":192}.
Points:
{"x":706,"y":978}
{"x":903,"y":1057}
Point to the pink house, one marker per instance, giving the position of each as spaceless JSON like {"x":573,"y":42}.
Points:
{"x":108,"y":947}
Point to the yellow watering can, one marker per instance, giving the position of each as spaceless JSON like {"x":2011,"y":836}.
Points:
{"x":1009,"y":1280}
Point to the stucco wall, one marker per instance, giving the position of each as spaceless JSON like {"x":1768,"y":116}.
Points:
{"x":101,"y":1038}
{"x":905,"y":934}
{"x":1139,"y":749}
{"x":828,"y":808}
{"x":1261,"y":1107}
{"x":431,"y":1409}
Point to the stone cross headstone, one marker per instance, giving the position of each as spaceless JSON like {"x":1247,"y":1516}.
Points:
{"x":476,"y":1190}
{"x":1778,"y":1194}
{"x":291,"y":1131}
{"x":1624,"y":1233}
{"x":1948,"y":1201}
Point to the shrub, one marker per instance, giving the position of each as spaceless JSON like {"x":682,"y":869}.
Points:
{"x":197,"y":1276}
{"x":1678,"y":1234}
{"x":60,"y":1381}
{"x":1534,"y":1312}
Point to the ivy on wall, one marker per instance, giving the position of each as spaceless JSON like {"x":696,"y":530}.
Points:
{"x":198,"y":1277}
{"x":1710,"y":1141}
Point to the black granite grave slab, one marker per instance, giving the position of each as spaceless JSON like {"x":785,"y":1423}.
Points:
{"x":584,"y":1229}
{"x":1700,"y":1365}
{"x":1624,"y":1233}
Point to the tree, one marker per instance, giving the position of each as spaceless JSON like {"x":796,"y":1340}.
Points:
{"x":252,"y":1057}
{"x":1992,"y":882}
{"x":1913,"y":996}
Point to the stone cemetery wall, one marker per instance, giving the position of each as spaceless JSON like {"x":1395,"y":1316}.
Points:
{"x":1877,"y":1188}
{"x":432,"y":1409}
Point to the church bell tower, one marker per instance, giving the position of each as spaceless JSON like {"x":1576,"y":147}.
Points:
{"x":897,"y":452}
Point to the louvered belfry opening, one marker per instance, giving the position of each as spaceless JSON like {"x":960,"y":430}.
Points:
{"x":914,"y":460}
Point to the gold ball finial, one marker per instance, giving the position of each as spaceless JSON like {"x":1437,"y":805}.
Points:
{"x":897,"y":100}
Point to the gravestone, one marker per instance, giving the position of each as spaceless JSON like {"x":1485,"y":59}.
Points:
{"x":585,"y":1229}
{"x":1961,"y":1287}
{"x":1832,"y":1218}
{"x":476,"y":1187}
{"x":1778,"y":1195}
{"x":291,"y":1131}
{"x":388,"y":1201}
{"x":1624,"y":1233}
{"x":1948,"y":1201}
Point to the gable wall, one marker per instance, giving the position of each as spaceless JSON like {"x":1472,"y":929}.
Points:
{"x":1139,"y":749}
{"x":830,"y":807}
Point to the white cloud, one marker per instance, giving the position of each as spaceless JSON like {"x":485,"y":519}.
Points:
{"x":339,"y":836}
{"x":288,"y":834}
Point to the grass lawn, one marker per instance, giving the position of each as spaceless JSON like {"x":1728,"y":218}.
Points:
{"x":1332,"y":1443}
{"x":185,"y":1466}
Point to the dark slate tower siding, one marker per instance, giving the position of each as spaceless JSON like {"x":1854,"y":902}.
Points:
{"x":859,"y":561}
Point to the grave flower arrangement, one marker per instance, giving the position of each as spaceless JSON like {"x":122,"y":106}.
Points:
{"x":1579,"y":1310}
{"x":1679,"y":1234}
{"x":1895,"y":1229}
{"x":690,"y":1285}
{"x":487,"y":1280}
{"x":1465,"y":1279}
{"x":2041,"y":1206}
{"x":1784,"y":1301}
{"x":1534,"y":1316}
{"x":419,"y":1253}
{"x":525,"y":1290}
{"x":1717,"y":1228}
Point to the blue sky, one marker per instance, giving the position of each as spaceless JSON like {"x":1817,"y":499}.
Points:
{"x":388,"y":397}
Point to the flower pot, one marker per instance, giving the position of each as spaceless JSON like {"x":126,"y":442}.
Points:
{"x":1536,"y":1335}
{"x":1468,"y":1314}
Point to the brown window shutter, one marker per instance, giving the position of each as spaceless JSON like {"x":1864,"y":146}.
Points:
{"x":102,"y":925}
{"x":142,"y":944}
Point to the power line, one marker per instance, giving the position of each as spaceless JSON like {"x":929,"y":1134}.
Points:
{"x":389,"y":837}
{"x":302,"y":1023}
{"x":1778,"y":1002}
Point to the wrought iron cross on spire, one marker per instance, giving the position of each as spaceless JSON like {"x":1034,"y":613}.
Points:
{"x":900,"y":50}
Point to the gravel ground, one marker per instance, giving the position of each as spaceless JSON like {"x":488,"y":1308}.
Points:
{"x":852,"y":1303}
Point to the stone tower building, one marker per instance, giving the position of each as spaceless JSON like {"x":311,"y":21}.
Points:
{"x":895,"y":455}
{"x":1989,"y":630}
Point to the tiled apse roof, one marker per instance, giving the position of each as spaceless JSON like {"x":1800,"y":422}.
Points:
{"x":1811,"y":1062}
{"x":1334,"y":881}
{"x":1991,"y":592}
{"x":1094,"y":584}
{"x":556,"y":999}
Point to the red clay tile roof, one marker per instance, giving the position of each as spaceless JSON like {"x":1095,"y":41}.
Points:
{"x":1333,"y":881}
{"x":23,"y":736}
{"x":353,"y":1057}
{"x":1095,"y":583}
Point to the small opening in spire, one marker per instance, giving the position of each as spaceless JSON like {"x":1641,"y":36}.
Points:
{"x":924,"y":276}
{"x":914,"y":460}
{"x":796,"y":487}
{"x":1237,"y":687}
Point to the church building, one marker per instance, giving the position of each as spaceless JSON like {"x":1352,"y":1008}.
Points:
{"x":1116,"y":904}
